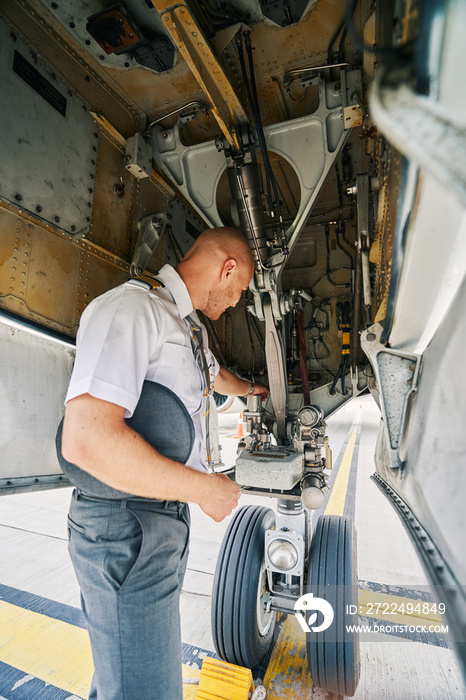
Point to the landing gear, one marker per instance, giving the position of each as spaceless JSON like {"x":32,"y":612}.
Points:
{"x":242,"y":623}
{"x":333,"y":654}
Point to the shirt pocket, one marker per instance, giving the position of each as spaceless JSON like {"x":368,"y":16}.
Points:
{"x":178,"y":370}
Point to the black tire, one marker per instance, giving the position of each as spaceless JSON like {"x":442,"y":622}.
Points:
{"x":333,"y":654}
{"x":241,"y":628}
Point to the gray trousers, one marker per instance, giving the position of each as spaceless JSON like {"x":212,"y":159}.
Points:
{"x":130,"y":559}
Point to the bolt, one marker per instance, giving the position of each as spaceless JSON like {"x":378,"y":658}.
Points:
{"x":73,"y":227}
{"x":18,"y":197}
{"x":370,"y":337}
{"x":56,"y":219}
{"x":165,"y":134}
{"x":38,"y":209}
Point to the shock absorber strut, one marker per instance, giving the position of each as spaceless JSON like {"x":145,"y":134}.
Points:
{"x":245,"y":187}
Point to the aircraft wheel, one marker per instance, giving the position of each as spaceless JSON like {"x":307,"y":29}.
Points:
{"x":333,"y":654}
{"x":242,"y":629}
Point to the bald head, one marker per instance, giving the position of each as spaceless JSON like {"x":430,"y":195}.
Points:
{"x":222,"y":242}
{"x":216,"y":269}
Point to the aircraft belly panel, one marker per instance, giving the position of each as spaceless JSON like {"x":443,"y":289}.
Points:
{"x":34,"y":375}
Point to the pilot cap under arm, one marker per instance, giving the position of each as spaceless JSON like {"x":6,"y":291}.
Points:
{"x":160,"y":418}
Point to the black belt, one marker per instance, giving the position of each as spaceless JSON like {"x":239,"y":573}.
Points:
{"x":141,"y":503}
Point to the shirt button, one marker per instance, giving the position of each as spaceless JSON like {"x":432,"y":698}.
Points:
{"x":183,"y":361}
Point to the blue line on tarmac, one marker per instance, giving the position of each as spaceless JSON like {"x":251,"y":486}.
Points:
{"x":17,"y":685}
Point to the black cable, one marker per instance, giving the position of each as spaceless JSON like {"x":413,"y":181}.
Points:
{"x":342,"y":26}
{"x":239,"y":44}
{"x":265,"y":153}
{"x":329,"y":271}
{"x":345,"y":349}
{"x":333,"y":39}
{"x":337,"y":237}
{"x":251,"y":341}
{"x":345,"y":31}
{"x":317,"y":359}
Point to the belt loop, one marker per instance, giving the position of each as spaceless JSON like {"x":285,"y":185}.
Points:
{"x":123,"y":503}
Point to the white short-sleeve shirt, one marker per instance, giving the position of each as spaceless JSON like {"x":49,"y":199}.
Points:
{"x":133,"y":333}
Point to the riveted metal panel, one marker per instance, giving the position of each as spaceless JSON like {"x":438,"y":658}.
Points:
{"x":34,"y":374}
{"x":39,"y":267}
{"x":46,"y":138}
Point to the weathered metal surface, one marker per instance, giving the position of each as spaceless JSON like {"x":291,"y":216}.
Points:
{"x":35,"y":24}
{"x":205,"y":66}
{"x":34,"y":374}
{"x":46,"y":140}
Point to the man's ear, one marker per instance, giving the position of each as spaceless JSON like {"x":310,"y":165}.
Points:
{"x":228,"y":267}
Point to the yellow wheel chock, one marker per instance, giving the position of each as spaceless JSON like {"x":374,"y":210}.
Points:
{"x":223,"y":681}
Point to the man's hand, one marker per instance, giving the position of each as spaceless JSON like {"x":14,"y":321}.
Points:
{"x":260,"y":390}
{"x":221,"y":497}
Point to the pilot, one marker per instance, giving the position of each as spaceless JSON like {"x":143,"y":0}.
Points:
{"x":132,"y":440}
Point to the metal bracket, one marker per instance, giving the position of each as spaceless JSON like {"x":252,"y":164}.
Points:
{"x":363,"y":242}
{"x":188,"y":37}
{"x":157,"y":54}
{"x":138,"y":157}
{"x":397,"y":376}
{"x":310,"y":144}
{"x":151,"y":229}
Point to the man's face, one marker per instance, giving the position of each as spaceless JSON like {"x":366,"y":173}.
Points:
{"x":229,"y":294}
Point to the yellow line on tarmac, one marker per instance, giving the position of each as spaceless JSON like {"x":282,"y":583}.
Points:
{"x":51,"y":650}
{"x":336,"y":501}
{"x":54,"y":651}
{"x":287,"y":676}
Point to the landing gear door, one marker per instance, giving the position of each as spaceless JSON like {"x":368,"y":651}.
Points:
{"x":34,"y":375}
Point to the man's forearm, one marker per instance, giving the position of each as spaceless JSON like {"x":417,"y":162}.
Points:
{"x":229,"y":384}
{"x":121,"y":458}
{"x":97,"y":439}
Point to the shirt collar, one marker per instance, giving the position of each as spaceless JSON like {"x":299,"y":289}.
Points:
{"x":177,"y":288}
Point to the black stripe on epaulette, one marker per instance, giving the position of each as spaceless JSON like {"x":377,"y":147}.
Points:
{"x":154,"y":284}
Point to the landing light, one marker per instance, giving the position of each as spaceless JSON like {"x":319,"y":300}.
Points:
{"x":282,"y":554}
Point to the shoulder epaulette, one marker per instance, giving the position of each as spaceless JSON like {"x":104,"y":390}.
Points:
{"x":145,"y":284}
